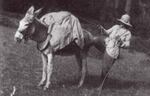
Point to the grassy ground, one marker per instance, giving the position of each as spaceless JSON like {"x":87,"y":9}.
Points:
{"x":21,"y":66}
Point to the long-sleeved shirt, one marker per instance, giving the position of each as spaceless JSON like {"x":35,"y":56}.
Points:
{"x":112,"y":45}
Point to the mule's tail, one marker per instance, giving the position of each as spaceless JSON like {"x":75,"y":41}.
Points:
{"x":99,"y":43}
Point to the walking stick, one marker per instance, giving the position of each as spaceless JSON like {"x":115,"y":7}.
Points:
{"x":102,"y":84}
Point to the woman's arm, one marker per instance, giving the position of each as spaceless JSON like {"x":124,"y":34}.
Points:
{"x":126,"y":42}
{"x":109,"y":31}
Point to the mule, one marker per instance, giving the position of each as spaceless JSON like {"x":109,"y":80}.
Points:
{"x":30,"y":27}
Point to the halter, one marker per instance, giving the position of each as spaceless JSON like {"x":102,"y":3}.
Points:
{"x":32,"y":31}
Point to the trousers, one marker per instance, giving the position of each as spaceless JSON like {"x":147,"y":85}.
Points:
{"x":107,"y":63}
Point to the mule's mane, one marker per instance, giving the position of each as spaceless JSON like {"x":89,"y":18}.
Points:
{"x":41,"y":23}
{"x":40,"y":30}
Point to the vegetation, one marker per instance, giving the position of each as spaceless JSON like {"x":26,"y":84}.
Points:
{"x":101,"y":10}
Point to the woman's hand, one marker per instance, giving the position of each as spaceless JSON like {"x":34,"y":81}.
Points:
{"x":119,"y":41}
{"x":102,"y":29}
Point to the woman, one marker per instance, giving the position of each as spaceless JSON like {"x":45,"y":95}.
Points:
{"x":118,"y":37}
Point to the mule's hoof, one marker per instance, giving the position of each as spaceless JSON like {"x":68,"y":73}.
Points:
{"x":40,"y":84}
{"x":79,"y":86}
{"x":45,"y":88}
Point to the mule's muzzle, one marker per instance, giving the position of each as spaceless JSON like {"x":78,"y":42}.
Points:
{"x":18,"y":37}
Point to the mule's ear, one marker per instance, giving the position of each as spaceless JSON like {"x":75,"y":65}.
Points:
{"x":37,"y":12}
{"x":31,"y":10}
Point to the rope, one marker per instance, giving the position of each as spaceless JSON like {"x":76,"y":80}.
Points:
{"x":98,"y":26}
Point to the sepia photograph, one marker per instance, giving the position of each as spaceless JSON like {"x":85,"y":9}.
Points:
{"x":74,"y":48}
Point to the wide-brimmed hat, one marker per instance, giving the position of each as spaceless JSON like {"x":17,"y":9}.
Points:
{"x":125,"y":19}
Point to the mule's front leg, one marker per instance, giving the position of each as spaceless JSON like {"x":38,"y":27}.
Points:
{"x":44,"y":60}
{"x":82,"y":61}
{"x":83,"y":73}
{"x":81,"y":57}
{"x":49,"y":70}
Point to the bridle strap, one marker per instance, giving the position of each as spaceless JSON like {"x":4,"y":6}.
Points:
{"x":38,"y":20}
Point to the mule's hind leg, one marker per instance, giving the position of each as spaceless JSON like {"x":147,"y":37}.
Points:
{"x":44,"y":60}
{"x":79,"y":61}
{"x":49,"y":70}
{"x":84,"y":71}
{"x":82,"y":61}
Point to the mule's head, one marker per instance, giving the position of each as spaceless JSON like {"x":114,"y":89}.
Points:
{"x":26,"y":25}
